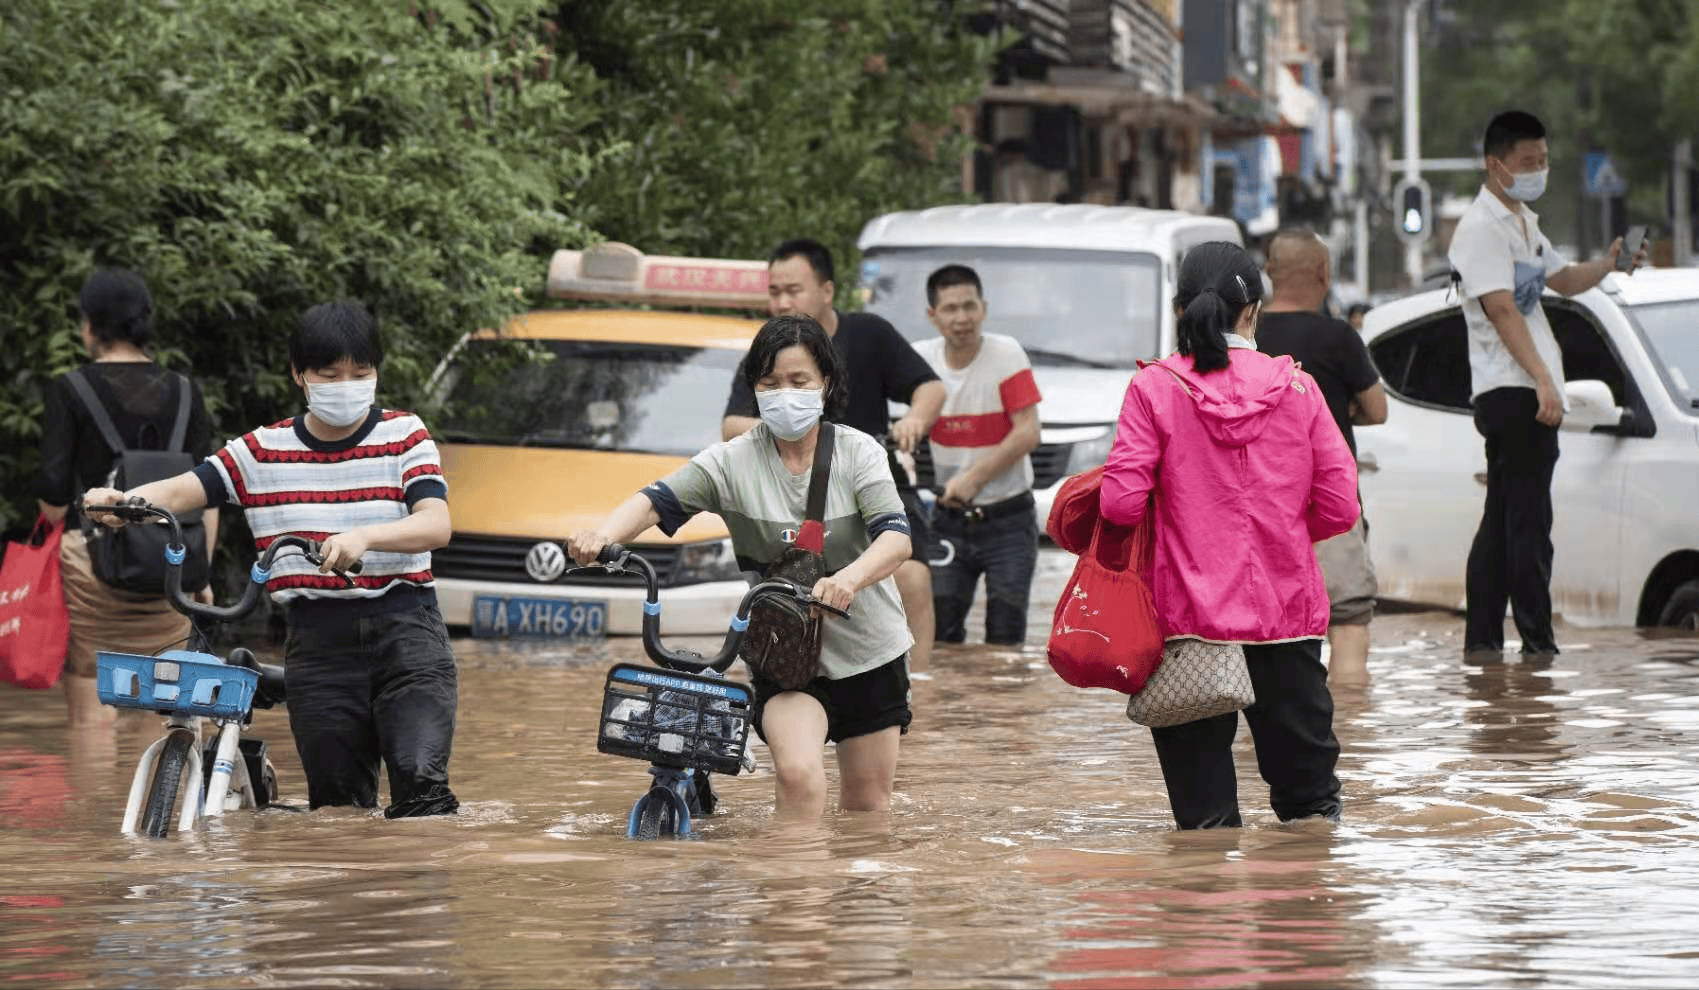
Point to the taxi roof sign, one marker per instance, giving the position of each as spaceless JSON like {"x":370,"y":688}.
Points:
{"x":615,"y":272}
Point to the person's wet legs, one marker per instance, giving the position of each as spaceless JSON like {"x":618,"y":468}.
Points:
{"x":1486,"y":580}
{"x":82,"y":703}
{"x":1008,"y":549}
{"x":327,"y":675}
{"x":1531,"y":457}
{"x":1197,"y":767}
{"x":414,"y":700}
{"x":1292,"y":728}
{"x":1348,"y":654}
{"x":867,"y":770}
{"x":914,"y":587}
{"x":793,"y":724}
{"x":954,"y":580}
{"x":914,"y":581}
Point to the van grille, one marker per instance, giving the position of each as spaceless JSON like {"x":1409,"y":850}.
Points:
{"x":502,"y":558}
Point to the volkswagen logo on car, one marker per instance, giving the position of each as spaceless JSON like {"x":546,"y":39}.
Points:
{"x":545,"y":562}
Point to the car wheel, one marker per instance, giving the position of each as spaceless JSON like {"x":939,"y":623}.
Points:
{"x":1682,"y":609}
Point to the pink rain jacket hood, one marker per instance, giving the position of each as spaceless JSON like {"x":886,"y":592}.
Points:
{"x":1248,"y":471}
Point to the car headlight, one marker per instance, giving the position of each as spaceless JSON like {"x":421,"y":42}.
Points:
{"x":713,"y":560}
{"x":1087,"y":454}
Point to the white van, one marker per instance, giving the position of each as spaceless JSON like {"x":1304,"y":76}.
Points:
{"x":1087,"y":290}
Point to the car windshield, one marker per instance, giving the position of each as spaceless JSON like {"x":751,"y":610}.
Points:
{"x":1668,"y":329}
{"x":589,"y":395}
{"x":1083,"y":309}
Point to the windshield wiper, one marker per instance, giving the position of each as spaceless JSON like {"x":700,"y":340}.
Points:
{"x":1041,"y":356}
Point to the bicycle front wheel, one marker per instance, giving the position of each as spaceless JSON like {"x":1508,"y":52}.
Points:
{"x":167,"y":783}
{"x":657,"y":816}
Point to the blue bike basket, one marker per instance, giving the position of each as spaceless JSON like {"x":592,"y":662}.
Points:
{"x":675,"y":720}
{"x":177,"y":682}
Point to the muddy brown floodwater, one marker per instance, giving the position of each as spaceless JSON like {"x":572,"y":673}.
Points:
{"x":1520,"y":825}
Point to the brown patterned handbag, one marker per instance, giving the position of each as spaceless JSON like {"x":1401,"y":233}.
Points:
{"x":1195,"y":680}
{"x":782,"y":643}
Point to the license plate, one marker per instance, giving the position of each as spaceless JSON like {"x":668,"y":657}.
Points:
{"x":539,"y":618}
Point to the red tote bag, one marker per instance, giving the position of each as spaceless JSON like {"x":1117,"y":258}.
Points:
{"x":33,"y":621}
{"x":1105,"y":632}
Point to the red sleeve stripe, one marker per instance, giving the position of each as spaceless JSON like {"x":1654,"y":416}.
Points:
{"x":419,"y":472}
{"x":1019,"y":391}
{"x":386,"y":494}
{"x":331,"y":582}
{"x":229,"y":462}
{"x":984,"y":430}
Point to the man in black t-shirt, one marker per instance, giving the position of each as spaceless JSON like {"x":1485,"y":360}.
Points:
{"x":1333,"y":353}
{"x":882,"y":366}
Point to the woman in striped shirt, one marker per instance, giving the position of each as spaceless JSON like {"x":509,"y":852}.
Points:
{"x":369,"y":672}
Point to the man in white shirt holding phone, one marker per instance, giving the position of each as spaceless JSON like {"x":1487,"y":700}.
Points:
{"x":1503,"y":264}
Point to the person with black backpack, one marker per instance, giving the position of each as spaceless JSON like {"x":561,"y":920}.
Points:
{"x":124,"y":418}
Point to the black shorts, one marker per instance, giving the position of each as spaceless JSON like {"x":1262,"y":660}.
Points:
{"x":919,"y":525}
{"x":858,"y":705}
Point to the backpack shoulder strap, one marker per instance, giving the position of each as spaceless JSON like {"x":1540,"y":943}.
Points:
{"x":97,"y":411}
{"x":180,"y":429}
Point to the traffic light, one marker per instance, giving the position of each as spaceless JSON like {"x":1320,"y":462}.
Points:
{"x":1414,"y":203}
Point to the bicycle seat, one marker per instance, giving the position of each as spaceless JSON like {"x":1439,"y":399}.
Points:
{"x":270,"y":691}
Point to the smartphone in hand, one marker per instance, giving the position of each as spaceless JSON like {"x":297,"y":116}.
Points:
{"x":1632,"y":242}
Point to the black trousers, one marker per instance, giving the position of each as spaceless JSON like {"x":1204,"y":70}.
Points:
{"x":1511,"y":558}
{"x":1005,"y":551}
{"x":365,"y":688}
{"x":1292,"y":726}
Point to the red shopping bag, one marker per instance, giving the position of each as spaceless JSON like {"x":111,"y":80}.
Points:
{"x":33,"y":621}
{"x":1105,"y":632}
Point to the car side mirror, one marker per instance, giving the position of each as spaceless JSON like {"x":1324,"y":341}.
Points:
{"x":1590,"y":405}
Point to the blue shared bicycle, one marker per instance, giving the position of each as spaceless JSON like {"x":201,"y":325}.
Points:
{"x":683,"y":716}
{"x":177,"y":780}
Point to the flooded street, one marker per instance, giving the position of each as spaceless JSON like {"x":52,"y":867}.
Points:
{"x":1509,"y":826}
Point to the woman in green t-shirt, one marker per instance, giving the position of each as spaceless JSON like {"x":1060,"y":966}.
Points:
{"x":758,"y":483}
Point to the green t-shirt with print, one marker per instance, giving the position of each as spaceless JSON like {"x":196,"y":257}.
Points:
{"x":746,"y":483}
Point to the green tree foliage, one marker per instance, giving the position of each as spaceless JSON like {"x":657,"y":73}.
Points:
{"x":251,"y":159}
{"x":740,"y":123}
{"x":1619,"y":75}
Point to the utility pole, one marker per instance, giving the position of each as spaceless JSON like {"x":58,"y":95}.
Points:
{"x":1359,"y":209}
{"x":1412,"y":131}
{"x":1681,"y":225}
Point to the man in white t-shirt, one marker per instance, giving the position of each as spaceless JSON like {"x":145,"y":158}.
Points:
{"x":985,"y":520}
{"x":1503,"y":264}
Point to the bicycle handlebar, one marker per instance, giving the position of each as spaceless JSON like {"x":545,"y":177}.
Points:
{"x":616,"y":558}
{"x":136,"y":510}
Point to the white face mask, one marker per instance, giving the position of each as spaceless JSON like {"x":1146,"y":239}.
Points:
{"x":342,"y":403}
{"x":1526,"y":186}
{"x":791,"y":412}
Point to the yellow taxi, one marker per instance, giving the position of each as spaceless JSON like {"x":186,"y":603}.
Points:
{"x":554,"y":420}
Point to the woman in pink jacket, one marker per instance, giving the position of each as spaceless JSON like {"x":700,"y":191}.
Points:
{"x":1237,"y":455}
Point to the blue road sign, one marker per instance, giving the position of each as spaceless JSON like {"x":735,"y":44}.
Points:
{"x":1602,"y":177}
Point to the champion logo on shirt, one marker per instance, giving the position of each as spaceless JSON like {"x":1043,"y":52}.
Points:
{"x":789,"y":535}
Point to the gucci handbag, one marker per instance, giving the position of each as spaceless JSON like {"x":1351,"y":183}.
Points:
{"x":1195,"y":680}
{"x":782,"y":643}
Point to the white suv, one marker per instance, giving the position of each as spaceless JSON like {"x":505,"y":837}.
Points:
{"x":1625,"y":495}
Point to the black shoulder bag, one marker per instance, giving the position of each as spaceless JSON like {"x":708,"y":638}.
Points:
{"x":133,"y":558}
{"x":782,"y":643}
